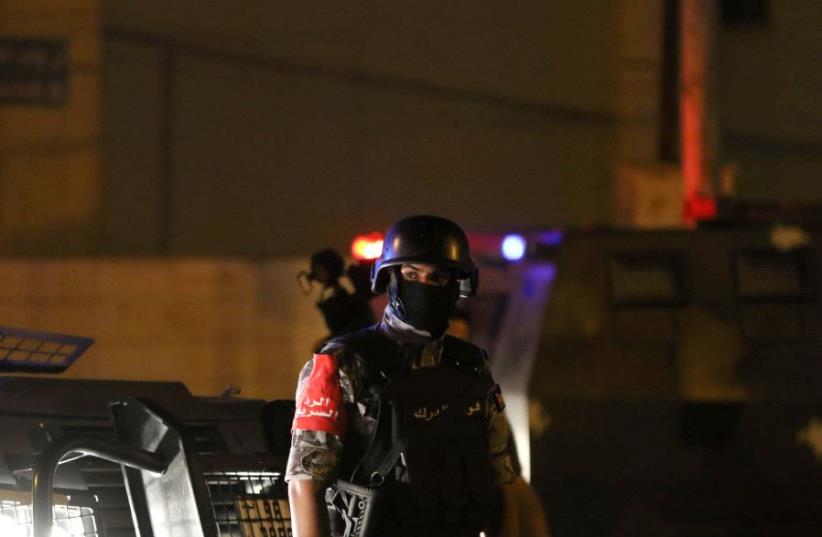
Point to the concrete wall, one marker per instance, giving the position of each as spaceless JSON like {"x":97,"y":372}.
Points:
{"x":770,"y":97}
{"x":269,"y":126}
{"x":205,"y":322}
{"x":50,"y":156}
{"x":247,"y":127}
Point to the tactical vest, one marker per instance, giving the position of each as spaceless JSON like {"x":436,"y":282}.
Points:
{"x":425,"y":469}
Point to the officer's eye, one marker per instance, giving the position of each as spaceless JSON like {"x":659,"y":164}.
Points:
{"x":410,"y":275}
{"x":440,"y":278}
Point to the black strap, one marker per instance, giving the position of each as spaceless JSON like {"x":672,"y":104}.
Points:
{"x":376,"y":349}
{"x":378,"y":476}
{"x":383,"y":465}
{"x":382,"y":359}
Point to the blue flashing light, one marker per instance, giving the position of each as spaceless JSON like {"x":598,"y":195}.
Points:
{"x":552,"y":237}
{"x":513,"y":247}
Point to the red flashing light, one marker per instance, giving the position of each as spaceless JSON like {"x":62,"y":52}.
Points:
{"x":700,"y":208}
{"x":367,"y":247}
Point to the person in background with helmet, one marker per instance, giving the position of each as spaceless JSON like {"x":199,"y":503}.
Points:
{"x":398,"y":428}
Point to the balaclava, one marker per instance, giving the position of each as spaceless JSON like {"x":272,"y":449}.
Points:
{"x":423,"y":306}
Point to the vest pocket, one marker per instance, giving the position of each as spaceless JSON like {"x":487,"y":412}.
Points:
{"x":453,"y":484}
{"x":479,"y":472}
{"x":423,"y":475}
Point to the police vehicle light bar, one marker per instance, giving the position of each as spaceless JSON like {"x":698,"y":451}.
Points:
{"x":39,"y":352}
{"x":367,"y":247}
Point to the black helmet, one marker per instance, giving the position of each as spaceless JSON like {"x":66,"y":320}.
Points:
{"x":426,"y":239}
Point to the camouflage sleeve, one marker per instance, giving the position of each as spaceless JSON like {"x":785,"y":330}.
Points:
{"x":319,"y":420}
{"x":499,"y":435}
{"x":313,"y":455}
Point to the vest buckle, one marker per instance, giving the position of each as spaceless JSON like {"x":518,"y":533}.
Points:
{"x":377,"y":479}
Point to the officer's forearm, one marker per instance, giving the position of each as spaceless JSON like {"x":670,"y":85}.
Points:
{"x":308,"y":514}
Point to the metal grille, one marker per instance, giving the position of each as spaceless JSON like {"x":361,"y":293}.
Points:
{"x":34,"y":71}
{"x":769,"y":276}
{"x":249,"y":504}
{"x":647,"y":280}
{"x":69,"y":520}
{"x":28,"y":350}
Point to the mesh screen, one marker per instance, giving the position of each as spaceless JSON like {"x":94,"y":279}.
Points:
{"x":249,"y":504}
{"x":27,"y":350}
{"x":773,"y":276}
{"x":69,"y":520}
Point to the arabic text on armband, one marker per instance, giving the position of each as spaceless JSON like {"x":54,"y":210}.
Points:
{"x":321,"y":408}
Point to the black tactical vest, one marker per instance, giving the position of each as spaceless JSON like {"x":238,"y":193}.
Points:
{"x":425,"y":467}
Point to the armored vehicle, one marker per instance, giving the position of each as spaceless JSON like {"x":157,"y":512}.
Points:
{"x":116,"y":459}
{"x":671,"y":383}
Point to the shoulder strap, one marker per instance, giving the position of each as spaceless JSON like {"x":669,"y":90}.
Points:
{"x":377,"y":477}
{"x":380,"y":357}
{"x":372,"y":346}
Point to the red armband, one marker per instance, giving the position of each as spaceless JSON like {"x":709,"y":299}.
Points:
{"x":319,"y":405}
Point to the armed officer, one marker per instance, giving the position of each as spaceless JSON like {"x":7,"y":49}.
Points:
{"x":398,"y":427}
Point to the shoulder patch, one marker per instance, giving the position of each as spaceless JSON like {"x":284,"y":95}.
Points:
{"x":319,"y":404}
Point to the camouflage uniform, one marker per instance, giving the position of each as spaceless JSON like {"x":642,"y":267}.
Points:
{"x":316,"y":449}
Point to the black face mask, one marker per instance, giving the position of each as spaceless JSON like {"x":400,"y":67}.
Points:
{"x":425,"y":307}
